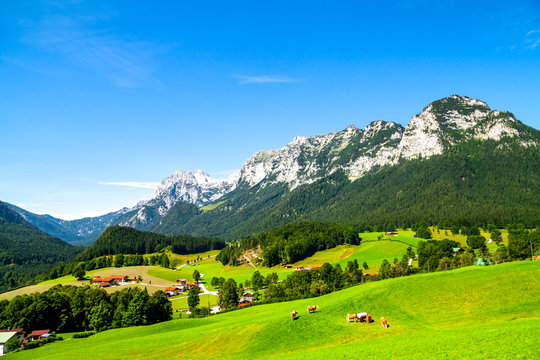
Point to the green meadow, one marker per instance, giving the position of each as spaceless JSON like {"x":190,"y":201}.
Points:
{"x":470,"y":313}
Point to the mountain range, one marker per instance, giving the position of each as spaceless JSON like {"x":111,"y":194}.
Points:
{"x":444,"y":165}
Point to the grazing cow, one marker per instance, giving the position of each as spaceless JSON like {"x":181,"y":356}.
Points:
{"x":312,"y":308}
{"x":352,"y":317}
{"x":368,"y":318}
{"x":384,"y":322}
{"x":293,"y":314}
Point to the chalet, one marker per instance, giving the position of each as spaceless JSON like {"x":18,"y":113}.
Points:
{"x":108,"y":281}
{"x":311,"y":267}
{"x":391,"y":233}
{"x":171,"y":291}
{"x":190,"y":284}
{"x":245,"y":301}
{"x":249,"y":294}
{"x":181,"y":282}
{"x":288,"y":266}
{"x":40,"y":334}
{"x":298,"y":268}
{"x":5,"y":336}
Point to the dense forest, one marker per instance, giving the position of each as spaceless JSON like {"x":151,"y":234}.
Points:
{"x":80,"y":308}
{"x":291,"y":243}
{"x":472,"y":183}
{"x":26,"y":251}
{"x":125,"y":240}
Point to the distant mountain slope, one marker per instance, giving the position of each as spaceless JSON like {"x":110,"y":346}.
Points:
{"x":457,"y":160}
{"x":275,"y":187}
{"x":81,"y":231}
{"x":26,"y":251}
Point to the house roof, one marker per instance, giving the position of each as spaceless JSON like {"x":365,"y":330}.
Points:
{"x":110,"y":278}
{"x":170,"y":288}
{"x":19,"y":330}
{"x":40,"y":332}
{"x":191,"y":283}
{"x":5,"y":336}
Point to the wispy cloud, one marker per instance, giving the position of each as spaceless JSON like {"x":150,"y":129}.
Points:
{"x":133,"y":184}
{"x":532,"y":39}
{"x":85,"y":42}
{"x":21,"y":205}
{"x":262,"y":79}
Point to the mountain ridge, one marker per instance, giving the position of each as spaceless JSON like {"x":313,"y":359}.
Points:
{"x":354,"y":152}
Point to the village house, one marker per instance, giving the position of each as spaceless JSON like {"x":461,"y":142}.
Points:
{"x":298,"y":268}
{"x":391,"y":233}
{"x":108,"y":281}
{"x":5,"y":336}
{"x":40,"y":334}
{"x":190,"y":284}
{"x":171,"y":291}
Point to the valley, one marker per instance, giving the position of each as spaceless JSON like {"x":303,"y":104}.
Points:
{"x":485,"y":310}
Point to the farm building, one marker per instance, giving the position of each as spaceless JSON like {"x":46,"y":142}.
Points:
{"x":391,"y":233}
{"x":298,"y":268}
{"x":172,"y":291}
{"x":108,"y":281}
{"x":4,"y":338}
{"x":40,"y":334}
{"x":181,"y":282}
{"x":190,"y":284}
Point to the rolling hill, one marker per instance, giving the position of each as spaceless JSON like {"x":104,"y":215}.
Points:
{"x":26,"y":251}
{"x":470,"y":313}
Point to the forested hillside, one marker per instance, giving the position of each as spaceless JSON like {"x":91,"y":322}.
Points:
{"x":293,"y":242}
{"x":26,"y":251}
{"x":125,"y":240}
{"x":476,"y":182}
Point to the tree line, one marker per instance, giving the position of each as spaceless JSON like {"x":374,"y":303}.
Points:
{"x":74,"y":308}
{"x":126,"y":240}
{"x":291,"y":243}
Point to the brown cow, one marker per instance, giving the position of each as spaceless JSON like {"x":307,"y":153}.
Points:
{"x":293,"y":314}
{"x":384,"y":322}
{"x":312,"y":308}
{"x":368,"y":318}
{"x":352,"y":317}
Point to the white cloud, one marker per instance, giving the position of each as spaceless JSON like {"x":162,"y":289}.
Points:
{"x":532,"y":39}
{"x":133,"y":184}
{"x":21,"y":205}
{"x":262,"y":79}
{"x":85,"y":42}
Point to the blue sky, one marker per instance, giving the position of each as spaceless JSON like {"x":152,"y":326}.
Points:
{"x":95,"y":92}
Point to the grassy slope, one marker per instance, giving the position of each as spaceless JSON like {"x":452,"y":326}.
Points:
{"x":371,"y":250}
{"x":473,"y":313}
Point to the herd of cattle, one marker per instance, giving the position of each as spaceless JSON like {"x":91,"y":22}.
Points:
{"x":361,"y":317}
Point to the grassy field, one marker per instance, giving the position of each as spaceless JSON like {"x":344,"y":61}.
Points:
{"x":470,"y":313}
{"x":375,"y":247}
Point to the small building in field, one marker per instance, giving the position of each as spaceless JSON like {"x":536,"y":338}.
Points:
{"x":298,"y":268}
{"x":190,"y":284}
{"x":171,"y":291}
{"x":108,"y":281}
{"x":5,"y":336}
{"x":391,"y":233}
{"x":311,"y":267}
{"x":288,"y":266}
{"x":244,"y":301}
{"x":40,"y":334}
